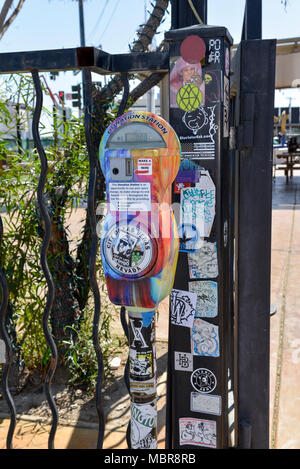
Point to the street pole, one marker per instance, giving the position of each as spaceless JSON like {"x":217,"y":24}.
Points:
{"x":82,"y":44}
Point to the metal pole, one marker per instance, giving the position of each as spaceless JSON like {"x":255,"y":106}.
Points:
{"x":82,"y":44}
{"x":81,"y":23}
{"x":143,"y":383}
{"x":182,"y":14}
{"x":252,"y":27}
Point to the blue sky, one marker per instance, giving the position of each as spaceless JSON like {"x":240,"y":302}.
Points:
{"x":51,"y":24}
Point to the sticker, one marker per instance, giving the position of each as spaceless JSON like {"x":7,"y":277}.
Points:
{"x":203,"y":380}
{"x":183,"y":361}
{"x":141,"y":338}
{"x":203,"y":263}
{"x":198,"y":204}
{"x":183,"y":305}
{"x":192,"y":49}
{"x":128,"y":249}
{"x":140,"y":364}
{"x":227,"y":61}
{"x":213,"y":86}
{"x":226,"y":108}
{"x":187,"y":87}
{"x":143,"y":387}
{"x":205,"y":339}
{"x":130,"y":196}
{"x":214,"y":51}
{"x":207,"y":404}
{"x":200,"y":125}
{"x":178,"y":186}
{"x":144,"y":166}
{"x":199,"y":150}
{"x":225,"y":233}
{"x":207,"y":298}
{"x":143,"y":426}
{"x":198,"y":432}
{"x":189,"y":238}
{"x":2,"y":351}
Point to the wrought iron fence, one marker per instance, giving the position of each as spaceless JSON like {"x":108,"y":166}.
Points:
{"x":89,"y":60}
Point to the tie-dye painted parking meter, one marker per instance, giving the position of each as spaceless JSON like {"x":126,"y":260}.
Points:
{"x":140,"y":158}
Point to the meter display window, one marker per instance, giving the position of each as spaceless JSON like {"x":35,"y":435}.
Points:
{"x":135,"y":135}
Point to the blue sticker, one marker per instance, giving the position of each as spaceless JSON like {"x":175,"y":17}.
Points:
{"x":189,"y":238}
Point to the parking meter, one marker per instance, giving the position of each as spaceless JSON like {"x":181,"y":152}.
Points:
{"x":140,"y":158}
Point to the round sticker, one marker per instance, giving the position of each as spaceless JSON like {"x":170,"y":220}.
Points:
{"x":203,"y":380}
{"x":189,"y":97}
{"x":128,"y":249}
{"x":193,"y":49}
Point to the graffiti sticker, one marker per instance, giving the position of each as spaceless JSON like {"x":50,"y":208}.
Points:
{"x":198,"y":204}
{"x":205,"y":339}
{"x":189,"y":238}
{"x":203,"y":263}
{"x":141,"y":364}
{"x":143,"y":426}
{"x":207,"y":298}
{"x":198,"y":432}
{"x":183,"y":305}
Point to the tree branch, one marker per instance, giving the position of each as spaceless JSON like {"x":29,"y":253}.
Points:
{"x":12,"y":17}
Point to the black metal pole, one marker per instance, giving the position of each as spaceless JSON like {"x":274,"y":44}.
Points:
{"x":252,"y":27}
{"x":81,"y":23}
{"x":182,"y":14}
{"x":82,"y":43}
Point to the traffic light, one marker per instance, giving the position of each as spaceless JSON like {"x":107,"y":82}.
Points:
{"x":76,"y":96}
{"x":61,"y":95}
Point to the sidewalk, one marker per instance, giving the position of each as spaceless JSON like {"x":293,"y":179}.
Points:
{"x":284,"y":350}
{"x":285,"y":324}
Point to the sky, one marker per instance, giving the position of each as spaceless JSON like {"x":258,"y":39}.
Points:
{"x":111,"y":24}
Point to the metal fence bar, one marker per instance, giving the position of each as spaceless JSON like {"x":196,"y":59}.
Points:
{"x":8,"y":352}
{"x":94,"y":249}
{"x":43,"y":256}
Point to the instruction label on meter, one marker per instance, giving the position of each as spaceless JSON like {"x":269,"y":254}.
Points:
{"x":144,"y":166}
{"x":130,"y":196}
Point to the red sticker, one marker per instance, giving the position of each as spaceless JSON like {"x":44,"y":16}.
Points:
{"x":193,"y":49}
{"x":180,"y":185}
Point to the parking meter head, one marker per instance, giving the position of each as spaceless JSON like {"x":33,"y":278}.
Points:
{"x":140,"y":158}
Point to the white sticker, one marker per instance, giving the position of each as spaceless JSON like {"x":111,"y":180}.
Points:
{"x":198,"y":204}
{"x":226,"y":107}
{"x":207,"y":404}
{"x":205,"y":339}
{"x":130,"y":196}
{"x":198,"y":432}
{"x":183,"y":304}
{"x":143,"y":423}
{"x":207,"y":298}
{"x":203,"y":263}
{"x":183,"y":361}
{"x":144,"y":166}
{"x":2,"y":351}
